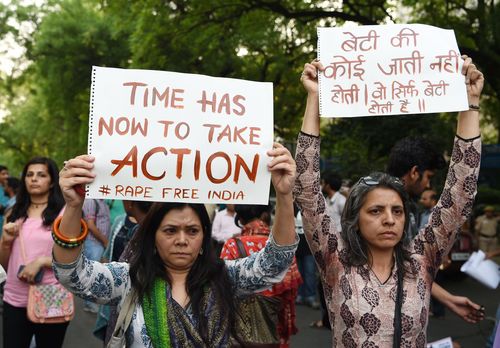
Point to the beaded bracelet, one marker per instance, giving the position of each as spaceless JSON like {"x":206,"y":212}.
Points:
{"x":473,"y":107}
{"x":65,"y":242}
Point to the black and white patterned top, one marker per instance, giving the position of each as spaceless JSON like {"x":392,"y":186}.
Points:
{"x":109,"y":283}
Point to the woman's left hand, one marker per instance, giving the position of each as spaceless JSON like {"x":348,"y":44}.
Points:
{"x":466,"y":309}
{"x":474,"y":80}
{"x":282,"y":168}
{"x":30,"y":271}
{"x":75,"y":173}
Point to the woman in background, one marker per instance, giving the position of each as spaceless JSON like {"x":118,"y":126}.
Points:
{"x":26,"y":241}
{"x":253,"y":219}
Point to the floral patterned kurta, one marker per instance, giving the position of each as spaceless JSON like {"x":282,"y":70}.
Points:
{"x":109,"y":283}
{"x":361,"y":308}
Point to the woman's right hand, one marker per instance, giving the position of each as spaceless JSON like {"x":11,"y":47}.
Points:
{"x":309,"y":76}
{"x":76,"y":172}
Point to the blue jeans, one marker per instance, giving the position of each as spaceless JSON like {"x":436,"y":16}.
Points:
{"x":307,"y":269}
{"x":93,"y":250}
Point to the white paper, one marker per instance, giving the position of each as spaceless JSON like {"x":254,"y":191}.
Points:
{"x":443,"y":343}
{"x":165,"y":136}
{"x":484,"y":271}
{"x":389,"y":69}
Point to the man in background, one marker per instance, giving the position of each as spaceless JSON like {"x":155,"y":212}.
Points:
{"x":335,"y":201}
{"x":224,"y":227}
{"x":4,"y":174}
{"x":486,"y":229}
{"x":428,"y":200}
{"x":415,"y":161}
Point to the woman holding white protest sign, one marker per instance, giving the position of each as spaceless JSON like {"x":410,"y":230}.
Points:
{"x":179,"y":292}
{"x":377,"y":283}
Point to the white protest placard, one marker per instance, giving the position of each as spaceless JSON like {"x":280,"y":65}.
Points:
{"x":388,"y":70}
{"x":165,"y":136}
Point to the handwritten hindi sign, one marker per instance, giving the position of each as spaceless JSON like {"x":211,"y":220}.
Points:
{"x":165,"y":136}
{"x":389,"y":69}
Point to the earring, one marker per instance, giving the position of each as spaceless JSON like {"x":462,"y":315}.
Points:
{"x":201,"y":251}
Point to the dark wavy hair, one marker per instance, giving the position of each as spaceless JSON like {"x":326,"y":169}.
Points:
{"x":332,"y":179}
{"x":248,"y":212}
{"x":207,"y":270}
{"x":414,"y":151}
{"x":356,"y":247}
{"x":23,"y":200}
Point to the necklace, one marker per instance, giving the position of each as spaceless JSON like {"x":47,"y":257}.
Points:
{"x":38,"y":204}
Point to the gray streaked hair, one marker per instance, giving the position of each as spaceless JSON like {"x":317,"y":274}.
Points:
{"x":356,"y":246}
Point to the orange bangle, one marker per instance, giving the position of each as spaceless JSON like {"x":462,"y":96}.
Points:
{"x":65,"y":239}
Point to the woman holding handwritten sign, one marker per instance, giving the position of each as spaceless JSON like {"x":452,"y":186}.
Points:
{"x":377,"y":284}
{"x":182,"y":294}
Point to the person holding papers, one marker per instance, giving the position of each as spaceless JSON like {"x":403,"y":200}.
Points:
{"x":181,"y":293}
{"x":377,"y":283}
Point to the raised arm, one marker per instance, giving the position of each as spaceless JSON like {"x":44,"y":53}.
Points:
{"x":77,"y":171}
{"x":320,"y":231}
{"x":261,"y":270}
{"x":468,"y":121}
{"x":467,"y":129}
{"x":457,"y":198}
{"x":282,"y":168}
{"x":309,"y":78}
{"x":88,"y":279}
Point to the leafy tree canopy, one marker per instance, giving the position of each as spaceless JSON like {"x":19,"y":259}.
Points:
{"x":262,"y":40}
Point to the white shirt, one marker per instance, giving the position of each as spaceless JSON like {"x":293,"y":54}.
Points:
{"x":298,"y":224}
{"x":224,"y":227}
{"x":335,"y":206}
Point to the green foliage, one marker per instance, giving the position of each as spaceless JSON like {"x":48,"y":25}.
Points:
{"x":487,"y":195}
{"x":362,"y":145}
{"x":258,"y":40}
{"x":477,"y":28}
{"x":53,"y":119}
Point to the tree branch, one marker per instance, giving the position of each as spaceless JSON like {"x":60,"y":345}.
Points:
{"x":307,"y":15}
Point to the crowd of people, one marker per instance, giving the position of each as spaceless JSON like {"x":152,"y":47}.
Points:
{"x":173,"y":275}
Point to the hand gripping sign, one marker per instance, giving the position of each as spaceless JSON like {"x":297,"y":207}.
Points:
{"x":165,"y":136}
{"x":388,"y":70}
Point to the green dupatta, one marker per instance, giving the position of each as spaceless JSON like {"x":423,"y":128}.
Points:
{"x":160,"y":322}
{"x":155,"y":315}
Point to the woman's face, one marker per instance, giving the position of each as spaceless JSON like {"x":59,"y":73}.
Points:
{"x":382,"y":219}
{"x":179,"y":239}
{"x":37,"y":180}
